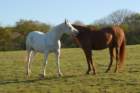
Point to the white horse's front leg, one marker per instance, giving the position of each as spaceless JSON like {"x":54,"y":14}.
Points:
{"x":30,"y":55}
{"x":42,"y":76}
{"x":58,"y":63}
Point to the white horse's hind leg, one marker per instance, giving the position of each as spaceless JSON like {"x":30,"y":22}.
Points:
{"x":30,"y":55}
{"x":42,"y":76}
{"x":58,"y":63}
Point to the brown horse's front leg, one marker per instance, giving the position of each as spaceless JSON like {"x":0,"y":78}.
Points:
{"x":111,"y":52}
{"x":89,"y":69}
{"x":89,"y":62}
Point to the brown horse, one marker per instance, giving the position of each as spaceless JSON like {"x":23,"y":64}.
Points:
{"x":110,"y":37}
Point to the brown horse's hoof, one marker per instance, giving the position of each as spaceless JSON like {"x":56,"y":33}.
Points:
{"x":41,"y":76}
{"x":94,"y":73}
{"x":88,"y":72}
{"x":106,"y":71}
{"x":116,"y":70}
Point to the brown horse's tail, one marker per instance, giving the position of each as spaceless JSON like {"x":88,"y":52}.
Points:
{"x":122,"y":53}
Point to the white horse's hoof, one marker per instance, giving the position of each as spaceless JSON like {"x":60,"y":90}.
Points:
{"x":59,"y":75}
{"x":41,"y":76}
{"x":27,"y":76}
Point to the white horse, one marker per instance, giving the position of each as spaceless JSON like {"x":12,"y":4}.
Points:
{"x":46,"y":43}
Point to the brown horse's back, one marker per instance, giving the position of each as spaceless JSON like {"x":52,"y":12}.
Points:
{"x":108,"y":37}
{"x":102,"y":38}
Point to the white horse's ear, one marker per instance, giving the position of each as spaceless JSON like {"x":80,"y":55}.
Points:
{"x":66,"y":21}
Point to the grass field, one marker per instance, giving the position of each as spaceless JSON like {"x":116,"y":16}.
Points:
{"x":73,"y":66}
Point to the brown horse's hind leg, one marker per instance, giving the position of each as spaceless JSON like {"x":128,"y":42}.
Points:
{"x":93,"y":68}
{"x":117,"y":59}
{"x":111,"y":52}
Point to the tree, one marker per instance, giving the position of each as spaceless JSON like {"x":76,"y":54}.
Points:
{"x":5,"y":38}
{"x":133,"y":28}
{"x":133,"y":22}
{"x":116,"y":18}
{"x":13,"y":38}
{"x":25,"y":26}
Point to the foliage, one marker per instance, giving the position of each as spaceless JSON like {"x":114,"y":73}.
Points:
{"x":68,"y":41}
{"x":5,"y":38}
{"x":133,"y":28}
{"x":115,"y":18}
{"x":13,"y":38}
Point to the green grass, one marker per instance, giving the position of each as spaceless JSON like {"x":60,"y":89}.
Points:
{"x":73,"y":66}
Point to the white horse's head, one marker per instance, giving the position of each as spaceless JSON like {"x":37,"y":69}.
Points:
{"x":68,"y":28}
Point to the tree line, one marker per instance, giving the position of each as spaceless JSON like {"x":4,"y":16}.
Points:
{"x":13,"y":37}
{"x":128,"y":20}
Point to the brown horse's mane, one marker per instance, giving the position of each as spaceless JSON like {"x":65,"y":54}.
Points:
{"x":85,"y":28}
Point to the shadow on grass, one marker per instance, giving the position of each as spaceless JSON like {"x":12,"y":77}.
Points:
{"x":10,"y":81}
{"x":16,"y":81}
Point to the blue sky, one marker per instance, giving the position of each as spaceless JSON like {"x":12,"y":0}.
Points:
{"x":55,"y":11}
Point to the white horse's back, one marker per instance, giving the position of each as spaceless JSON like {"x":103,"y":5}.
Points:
{"x":36,"y":41}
